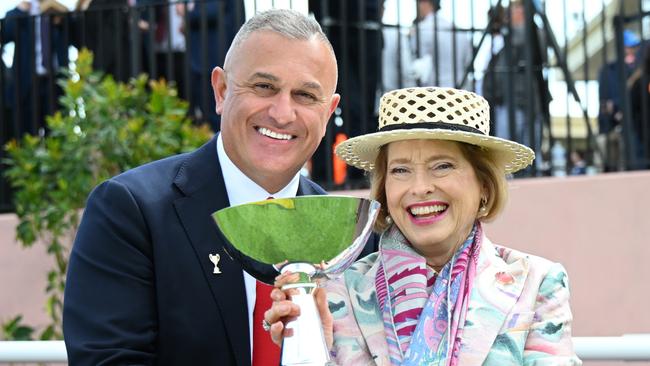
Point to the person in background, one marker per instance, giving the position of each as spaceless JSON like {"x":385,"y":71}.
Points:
{"x":222,"y":20}
{"x":507,"y":71}
{"x":40,"y":50}
{"x":141,"y":285}
{"x":439,"y":291}
{"x":639,"y":92}
{"x":102,"y":26}
{"x":441,"y":52}
{"x":610,"y":114}
{"x":579,"y":165}
{"x":354,"y":28}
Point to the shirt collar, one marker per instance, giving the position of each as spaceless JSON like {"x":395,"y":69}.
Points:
{"x":241,"y":189}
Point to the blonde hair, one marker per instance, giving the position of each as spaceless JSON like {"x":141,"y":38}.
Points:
{"x":489,"y":174}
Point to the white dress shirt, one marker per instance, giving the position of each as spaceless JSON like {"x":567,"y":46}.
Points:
{"x":241,"y":189}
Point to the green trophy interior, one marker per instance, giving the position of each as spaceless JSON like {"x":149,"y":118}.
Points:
{"x":307,"y":229}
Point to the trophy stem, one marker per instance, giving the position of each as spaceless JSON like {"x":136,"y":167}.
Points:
{"x":306,"y":347}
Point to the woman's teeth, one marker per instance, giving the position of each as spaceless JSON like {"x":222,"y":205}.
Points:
{"x":427,"y":210}
{"x":274,"y":135}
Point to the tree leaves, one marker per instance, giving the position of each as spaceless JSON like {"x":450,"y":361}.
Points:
{"x":101,"y":129}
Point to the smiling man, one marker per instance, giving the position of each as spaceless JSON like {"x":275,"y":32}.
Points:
{"x":149,"y":282}
{"x":275,"y":95}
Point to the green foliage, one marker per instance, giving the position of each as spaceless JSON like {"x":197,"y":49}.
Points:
{"x":103,"y":128}
{"x":14,"y":330}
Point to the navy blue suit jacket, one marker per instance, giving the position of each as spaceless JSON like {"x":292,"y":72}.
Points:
{"x":140,"y":288}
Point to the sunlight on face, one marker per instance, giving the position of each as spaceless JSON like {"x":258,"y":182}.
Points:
{"x":433,"y":194}
{"x":278,"y":97}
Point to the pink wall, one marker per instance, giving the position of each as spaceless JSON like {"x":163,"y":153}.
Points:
{"x":598,"y":227}
{"x":23,"y":274}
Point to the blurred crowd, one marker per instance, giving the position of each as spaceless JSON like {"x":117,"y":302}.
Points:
{"x":183,"y":41}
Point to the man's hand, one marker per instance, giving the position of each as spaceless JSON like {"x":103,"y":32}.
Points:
{"x":283,"y":310}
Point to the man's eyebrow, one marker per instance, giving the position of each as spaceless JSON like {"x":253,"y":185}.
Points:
{"x":264,"y":75}
{"x":312,"y":85}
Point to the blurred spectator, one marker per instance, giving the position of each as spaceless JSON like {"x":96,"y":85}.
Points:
{"x":222,"y":21}
{"x":397,"y":59}
{"x":442,"y":53}
{"x":102,"y":26}
{"x":170,"y":45}
{"x":579,"y":165}
{"x":639,"y":87}
{"x":163,"y":40}
{"x":354,"y":29}
{"x":610,"y":112}
{"x":507,"y":71}
{"x":35,"y":28}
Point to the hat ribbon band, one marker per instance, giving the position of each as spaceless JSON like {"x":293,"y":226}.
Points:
{"x":431,"y":125}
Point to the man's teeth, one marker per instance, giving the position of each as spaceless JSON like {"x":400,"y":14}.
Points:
{"x":274,"y":135}
{"x":425,"y":210}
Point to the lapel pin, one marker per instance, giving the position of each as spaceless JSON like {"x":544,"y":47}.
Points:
{"x":214,"y":258}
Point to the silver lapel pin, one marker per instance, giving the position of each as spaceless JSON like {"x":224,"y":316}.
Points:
{"x":214,"y":258}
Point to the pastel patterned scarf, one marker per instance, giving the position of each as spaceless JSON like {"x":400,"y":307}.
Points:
{"x":414,"y":300}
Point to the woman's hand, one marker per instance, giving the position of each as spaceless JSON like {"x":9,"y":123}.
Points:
{"x":283,"y":310}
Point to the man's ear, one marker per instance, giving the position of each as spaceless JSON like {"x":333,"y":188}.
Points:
{"x":334,"y":102}
{"x":219,"y":85}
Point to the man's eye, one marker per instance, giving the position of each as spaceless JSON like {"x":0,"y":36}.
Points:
{"x":305,"y":97}
{"x":264,"y":88}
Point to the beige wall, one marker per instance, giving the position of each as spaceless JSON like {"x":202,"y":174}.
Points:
{"x":598,"y":227}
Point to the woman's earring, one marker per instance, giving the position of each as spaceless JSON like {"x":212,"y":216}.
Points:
{"x":483,"y":207}
{"x":389,"y":220}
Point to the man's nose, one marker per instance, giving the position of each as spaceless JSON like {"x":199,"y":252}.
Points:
{"x":282,"y":109}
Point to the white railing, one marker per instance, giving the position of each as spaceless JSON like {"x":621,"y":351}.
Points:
{"x":629,"y":347}
{"x":33,"y":351}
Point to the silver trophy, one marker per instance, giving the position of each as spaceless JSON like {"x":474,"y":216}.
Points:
{"x":319,"y":236}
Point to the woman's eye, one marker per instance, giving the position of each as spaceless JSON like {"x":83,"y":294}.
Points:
{"x":398,"y":170}
{"x":445,"y":166}
{"x":442,"y":167}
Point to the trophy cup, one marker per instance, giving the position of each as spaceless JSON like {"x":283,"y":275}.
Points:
{"x":319,"y":236}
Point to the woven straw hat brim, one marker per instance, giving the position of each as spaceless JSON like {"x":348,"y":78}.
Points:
{"x":361,"y":151}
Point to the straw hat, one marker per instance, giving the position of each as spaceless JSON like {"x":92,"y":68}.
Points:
{"x":433,"y":113}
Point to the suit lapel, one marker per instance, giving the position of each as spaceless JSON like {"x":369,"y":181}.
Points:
{"x":308,"y":188}
{"x":497,"y":287}
{"x":201,"y":181}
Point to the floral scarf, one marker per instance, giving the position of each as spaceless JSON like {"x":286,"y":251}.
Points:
{"x":414,"y":299}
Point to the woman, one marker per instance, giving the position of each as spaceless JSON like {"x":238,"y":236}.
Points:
{"x":438,"y":291}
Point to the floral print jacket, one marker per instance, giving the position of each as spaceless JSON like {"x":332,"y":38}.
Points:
{"x":518,"y":313}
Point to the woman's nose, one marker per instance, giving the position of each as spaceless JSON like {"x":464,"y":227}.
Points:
{"x":422,"y":184}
